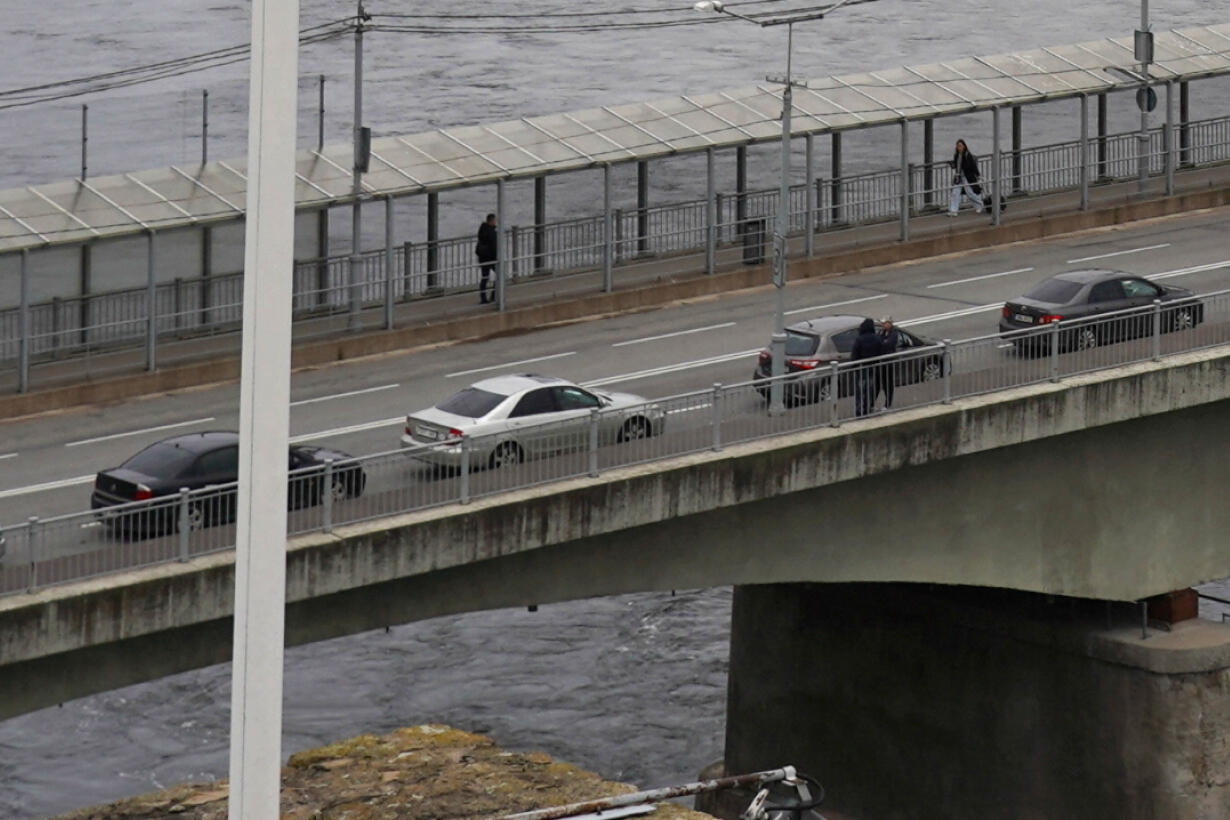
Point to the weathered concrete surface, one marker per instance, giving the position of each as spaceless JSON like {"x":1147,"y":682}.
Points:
{"x":1107,"y":486}
{"x":687,"y":282}
{"x":923,"y":702}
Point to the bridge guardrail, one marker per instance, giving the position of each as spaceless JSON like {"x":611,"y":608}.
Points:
{"x":85,"y":544}
{"x":185,"y":308}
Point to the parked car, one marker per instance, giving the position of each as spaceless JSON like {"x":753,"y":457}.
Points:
{"x":200,"y":460}
{"x":513,"y":418}
{"x":812,"y":345}
{"x":1081,"y":298}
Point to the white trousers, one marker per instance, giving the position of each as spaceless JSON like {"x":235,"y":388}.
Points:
{"x":954,"y":201}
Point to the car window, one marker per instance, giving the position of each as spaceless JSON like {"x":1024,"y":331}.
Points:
{"x":574,"y":398}
{"x":801,"y":344}
{"x":844,"y":341}
{"x":1058,"y":291}
{"x":161,"y":459}
{"x":1106,"y":292}
{"x":534,"y":402}
{"x":1137,"y":288}
{"x":221,"y":462}
{"x":471,"y":403}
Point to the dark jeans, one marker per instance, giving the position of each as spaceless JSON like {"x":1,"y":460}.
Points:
{"x":488,"y":268}
{"x":864,"y":391}
{"x":885,"y":382}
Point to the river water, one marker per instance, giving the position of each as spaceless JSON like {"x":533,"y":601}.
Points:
{"x":632,"y":687}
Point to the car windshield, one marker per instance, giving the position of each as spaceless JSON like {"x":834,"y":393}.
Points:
{"x":1056,"y":291}
{"x":161,"y":459}
{"x":471,"y":403}
{"x":801,"y":344}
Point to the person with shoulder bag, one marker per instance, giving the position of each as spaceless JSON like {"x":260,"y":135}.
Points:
{"x":964,"y":179}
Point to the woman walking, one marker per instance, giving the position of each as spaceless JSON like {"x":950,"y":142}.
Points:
{"x":964,"y":179}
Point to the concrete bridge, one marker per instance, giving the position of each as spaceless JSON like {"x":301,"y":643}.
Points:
{"x":1025,"y":519}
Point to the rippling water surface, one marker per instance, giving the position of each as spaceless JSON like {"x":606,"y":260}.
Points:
{"x":632,"y":687}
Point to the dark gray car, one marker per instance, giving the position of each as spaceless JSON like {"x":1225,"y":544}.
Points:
{"x":1082,"y":298}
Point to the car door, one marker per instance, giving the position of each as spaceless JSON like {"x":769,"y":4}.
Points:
{"x":1108,"y":297}
{"x":530,"y":421}
{"x":212,"y":469}
{"x":576,"y":404}
{"x":1140,"y":293}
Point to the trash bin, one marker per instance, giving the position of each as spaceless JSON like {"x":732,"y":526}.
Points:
{"x":755,"y":237}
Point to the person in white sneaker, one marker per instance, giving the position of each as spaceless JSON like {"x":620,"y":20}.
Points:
{"x":964,"y":179}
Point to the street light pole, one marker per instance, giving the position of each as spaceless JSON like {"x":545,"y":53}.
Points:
{"x":1144,"y":53}
{"x":781,"y":231}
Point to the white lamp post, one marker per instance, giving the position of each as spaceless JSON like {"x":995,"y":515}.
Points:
{"x":781,"y":231}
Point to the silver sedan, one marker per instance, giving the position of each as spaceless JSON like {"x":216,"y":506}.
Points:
{"x":508,"y":419}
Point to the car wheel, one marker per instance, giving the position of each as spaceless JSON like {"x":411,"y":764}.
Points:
{"x":1182,"y":319}
{"x":932,"y":370}
{"x":635,"y":428}
{"x":506,"y":454}
{"x":1086,"y":338}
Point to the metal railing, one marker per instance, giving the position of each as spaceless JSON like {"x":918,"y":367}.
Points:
{"x":185,"y":308}
{"x":589,"y":442}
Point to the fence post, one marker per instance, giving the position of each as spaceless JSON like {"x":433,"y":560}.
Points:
{"x":1054,"y":336}
{"x":23,"y":347}
{"x":32,"y":532}
{"x":711,"y":211}
{"x":716,"y":415}
{"x":946,"y":366}
{"x":465,"y":470}
{"x":593,"y":442}
{"x":834,"y":390}
{"x":1157,"y":330}
{"x":326,"y":497}
{"x":182,"y":524}
{"x":388,"y":263}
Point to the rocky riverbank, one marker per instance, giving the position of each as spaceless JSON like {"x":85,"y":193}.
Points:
{"x":429,"y":772}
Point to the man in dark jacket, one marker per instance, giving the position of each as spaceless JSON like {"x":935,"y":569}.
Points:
{"x":487,"y":252}
{"x":890,"y":340}
{"x":867,"y":345}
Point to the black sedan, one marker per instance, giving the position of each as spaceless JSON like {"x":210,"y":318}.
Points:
{"x":813,"y":344}
{"x":201,"y":460}
{"x":1082,"y":298}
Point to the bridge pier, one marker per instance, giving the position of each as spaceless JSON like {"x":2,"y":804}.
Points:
{"x":960,"y":702}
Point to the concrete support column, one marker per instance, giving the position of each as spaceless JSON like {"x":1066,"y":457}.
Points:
{"x":835,"y":197}
{"x":809,"y":232}
{"x":976,"y":703}
{"x":501,"y":247}
{"x":540,"y":221}
{"x":642,"y":206}
{"x":1103,"y":171}
{"x":433,"y":239}
{"x":740,"y":190}
{"x":1017,"y":184}
{"x":928,"y":163}
{"x":1185,"y":143}
{"x":711,"y":211}
{"x":151,"y":302}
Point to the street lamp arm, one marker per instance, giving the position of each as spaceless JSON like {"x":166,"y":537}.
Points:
{"x":719,"y":7}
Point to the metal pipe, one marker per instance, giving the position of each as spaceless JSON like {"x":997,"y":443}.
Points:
{"x":642,"y":206}
{"x":710,"y":211}
{"x":204,"y":126}
{"x":928,"y":163}
{"x":1102,"y":131}
{"x":655,"y":795}
{"x":905,"y":180}
{"x":356,"y":179}
{"x":23,"y":347}
{"x":1168,"y":140}
{"x":433,"y":238}
{"x":809,"y":228}
{"x":1143,"y":141}
{"x":1185,"y":143}
{"x":996,"y":181}
{"x":388,"y":263}
{"x":501,"y":249}
{"x":1017,"y":186}
{"x":835,"y":176}
{"x":1084,"y":152}
{"x":777,"y":345}
{"x":608,"y":233}
{"x":85,"y":139}
{"x":320,"y":117}
{"x":740,"y":189}
{"x":540,"y":220}
{"x":151,"y":305}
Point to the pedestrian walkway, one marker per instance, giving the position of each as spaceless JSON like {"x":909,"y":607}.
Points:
{"x":637,"y":284}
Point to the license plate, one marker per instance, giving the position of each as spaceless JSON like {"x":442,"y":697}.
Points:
{"x":1023,"y":317}
{"x":427,"y":433}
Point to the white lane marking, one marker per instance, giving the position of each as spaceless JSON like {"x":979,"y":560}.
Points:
{"x":139,"y":432}
{"x":1118,"y":253}
{"x":7,"y":455}
{"x":922,"y":320}
{"x":976,"y":278}
{"x":1166,"y":274}
{"x":509,"y":364}
{"x":676,"y":333}
{"x":835,"y":304}
{"x":354,"y":428}
{"x":345,"y":395}
{"x":688,"y":409}
{"x":48,"y":485}
{"x":670,"y":368}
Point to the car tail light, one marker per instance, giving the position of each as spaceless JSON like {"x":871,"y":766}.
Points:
{"x":143,"y":493}
{"x":764,"y":355}
{"x":1006,"y":313}
{"x":454,"y":436}
{"x":408,"y":431}
{"x":1047,"y":318}
{"x":803,"y":364}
